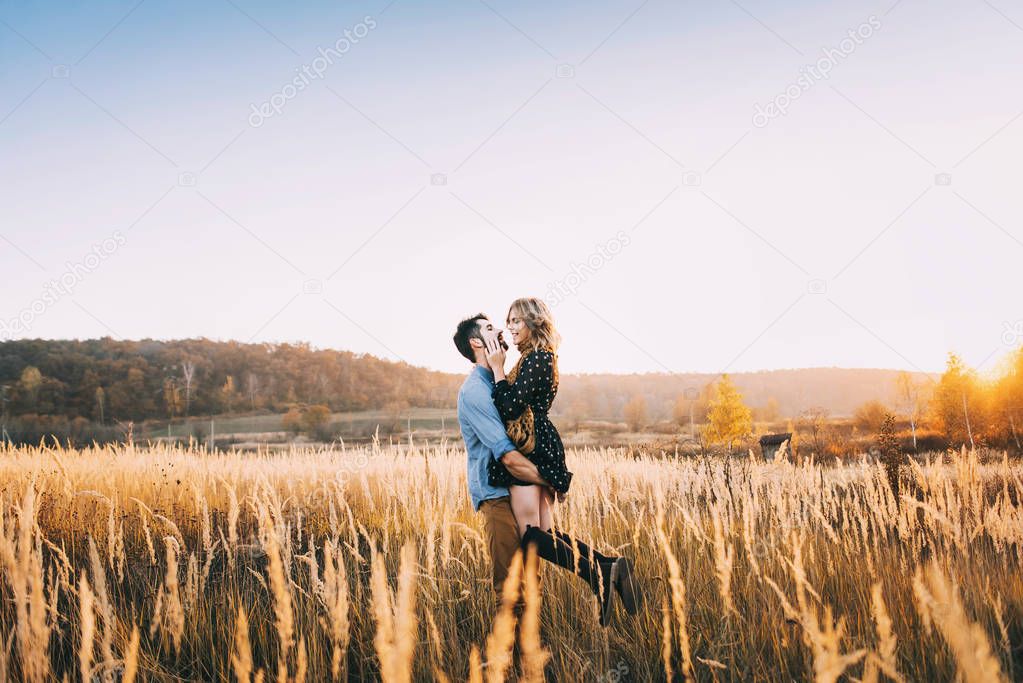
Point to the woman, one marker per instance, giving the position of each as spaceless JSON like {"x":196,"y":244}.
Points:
{"x":523,"y":399}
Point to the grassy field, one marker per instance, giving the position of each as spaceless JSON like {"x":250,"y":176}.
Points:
{"x":163,"y":564}
{"x":248,"y":432}
{"x":432,"y":419}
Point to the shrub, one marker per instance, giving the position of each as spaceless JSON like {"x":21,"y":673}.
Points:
{"x":292,"y":421}
{"x":891,"y":455}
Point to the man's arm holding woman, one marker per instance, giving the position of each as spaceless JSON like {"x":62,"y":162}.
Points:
{"x":482,"y":415}
{"x":522,"y":468}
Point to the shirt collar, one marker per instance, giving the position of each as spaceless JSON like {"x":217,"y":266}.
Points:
{"x":485,"y":373}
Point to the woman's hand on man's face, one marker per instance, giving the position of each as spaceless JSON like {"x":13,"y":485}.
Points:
{"x":495,"y":354}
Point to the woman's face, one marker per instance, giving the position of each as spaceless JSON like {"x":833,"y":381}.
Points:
{"x":517,"y":327}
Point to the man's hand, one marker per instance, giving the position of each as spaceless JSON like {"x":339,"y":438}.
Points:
{"x":521,"y":468}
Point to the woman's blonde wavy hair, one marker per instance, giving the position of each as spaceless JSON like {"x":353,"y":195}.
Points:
{"x":538,"y":318}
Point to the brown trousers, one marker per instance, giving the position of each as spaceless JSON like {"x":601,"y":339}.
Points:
{"x":502,"y":537}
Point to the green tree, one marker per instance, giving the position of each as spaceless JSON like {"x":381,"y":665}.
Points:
{"x":730,"y":420}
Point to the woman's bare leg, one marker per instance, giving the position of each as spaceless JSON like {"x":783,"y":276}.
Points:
{"x":546,"y":504}
{"x":525,"y":504}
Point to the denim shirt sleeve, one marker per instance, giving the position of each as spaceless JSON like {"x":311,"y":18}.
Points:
{"x":481,"y":414}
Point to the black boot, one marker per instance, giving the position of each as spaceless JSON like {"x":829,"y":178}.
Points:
{"x":624,"y":583}
{"x":581,"y":547}
{"x":598,"y":575}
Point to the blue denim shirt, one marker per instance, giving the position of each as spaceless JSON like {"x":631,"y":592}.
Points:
{"x":483,"y":433}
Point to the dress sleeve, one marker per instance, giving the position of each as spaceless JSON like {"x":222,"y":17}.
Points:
{"x":535,"y":379}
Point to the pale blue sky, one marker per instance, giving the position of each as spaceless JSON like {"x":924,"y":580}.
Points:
{"x":820,"y":238}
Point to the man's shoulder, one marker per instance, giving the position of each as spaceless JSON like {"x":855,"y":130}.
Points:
{"x":467,"y":382}
{"x":469,"y":386}
{"x":475,"y":392}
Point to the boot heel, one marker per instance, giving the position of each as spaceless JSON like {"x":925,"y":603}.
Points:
{"x":626,"y":587}
{"x":606,"y":598}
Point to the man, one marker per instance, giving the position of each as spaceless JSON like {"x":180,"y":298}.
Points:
{"x":485,"y":437}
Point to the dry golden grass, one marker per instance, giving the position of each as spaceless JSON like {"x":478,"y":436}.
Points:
{"x":166,"y":564}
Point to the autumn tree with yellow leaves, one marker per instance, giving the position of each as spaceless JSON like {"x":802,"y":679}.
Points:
{"x":729,"y":419}
{"x":957,"y":407}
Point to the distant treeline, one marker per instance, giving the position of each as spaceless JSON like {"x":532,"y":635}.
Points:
{"x":773,"y":394}
{"x":100,"y":389}
{"x":105,"y":380}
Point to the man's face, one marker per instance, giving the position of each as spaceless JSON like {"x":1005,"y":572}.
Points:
{"x":489,"y":332}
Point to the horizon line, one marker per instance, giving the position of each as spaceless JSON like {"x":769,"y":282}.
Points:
{"x":447,"y":372}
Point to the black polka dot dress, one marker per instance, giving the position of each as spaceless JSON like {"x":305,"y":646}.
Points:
{"x":534,"y":387}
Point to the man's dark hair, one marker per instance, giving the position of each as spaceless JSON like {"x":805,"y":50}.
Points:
{"x":468,"y":329}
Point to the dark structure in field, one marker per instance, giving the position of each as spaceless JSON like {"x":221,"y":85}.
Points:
{"x":770,"y":443}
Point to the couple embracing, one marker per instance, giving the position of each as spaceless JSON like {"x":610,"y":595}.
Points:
{"x":516,"y":461}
